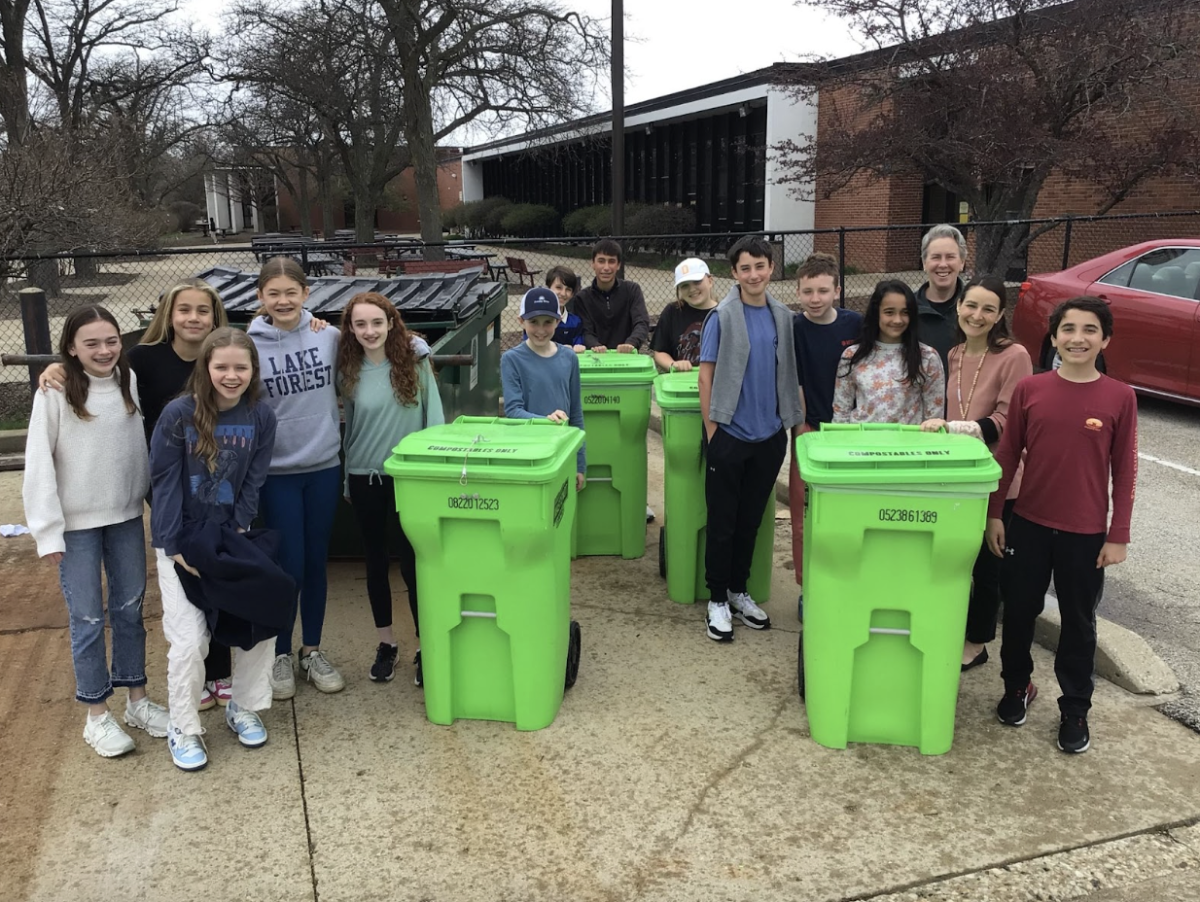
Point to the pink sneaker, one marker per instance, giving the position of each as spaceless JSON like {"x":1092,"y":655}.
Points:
{"x":223,"y":691}
{"x":207,"y":699}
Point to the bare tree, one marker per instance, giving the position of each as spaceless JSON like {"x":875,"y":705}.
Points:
{"x":69,"y":39}
{"x":498,"y":63}
{"x":989,"y":98}
{"x":14,"y":74}
{"x":337,"y":58}
{"x":58,"y":198}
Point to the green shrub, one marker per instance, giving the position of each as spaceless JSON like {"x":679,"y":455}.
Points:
{"x":654,"y":219}
{"x":530,"y":221}
{"x":588,"y":222}
{"x":480,"y":217}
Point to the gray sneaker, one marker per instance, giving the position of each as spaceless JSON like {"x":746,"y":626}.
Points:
{"x":106,"y":737}
{"x":146,"y":715}
{"x":283,"y":678}
{"x":320,"y":672}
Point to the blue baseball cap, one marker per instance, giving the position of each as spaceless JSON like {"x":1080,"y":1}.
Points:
{"x":539,"y":302}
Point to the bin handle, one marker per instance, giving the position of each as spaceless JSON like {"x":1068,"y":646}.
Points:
{"x":887,"y":631}
{"x":490,"y":614}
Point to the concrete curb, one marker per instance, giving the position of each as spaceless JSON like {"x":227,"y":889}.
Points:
{"x":12,"y":441}
{"x":1122,"y":656}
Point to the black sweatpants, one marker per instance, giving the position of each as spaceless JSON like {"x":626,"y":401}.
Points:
{"x":218,"y":663}
{"x":985,"y":591}
{"x":739,"y":480}
{"x":1033,"y":554}
{"x":373,"y":499}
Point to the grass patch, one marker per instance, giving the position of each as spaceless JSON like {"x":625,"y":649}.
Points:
{"x":14,"y":422}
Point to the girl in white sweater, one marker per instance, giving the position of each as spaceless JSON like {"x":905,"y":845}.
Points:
{"x":86,"y":475}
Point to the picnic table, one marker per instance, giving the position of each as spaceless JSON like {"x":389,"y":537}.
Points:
{"x":468,"y":252}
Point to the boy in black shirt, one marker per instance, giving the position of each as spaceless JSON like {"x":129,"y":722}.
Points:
{"x":613,"y":310}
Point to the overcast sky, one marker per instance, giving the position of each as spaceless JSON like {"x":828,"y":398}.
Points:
{"x":671,"y":45}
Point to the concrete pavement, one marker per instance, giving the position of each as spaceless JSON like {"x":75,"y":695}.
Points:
{"x":676,"y":769}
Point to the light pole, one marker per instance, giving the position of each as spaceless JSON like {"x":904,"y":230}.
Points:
{"x":618,"y":117}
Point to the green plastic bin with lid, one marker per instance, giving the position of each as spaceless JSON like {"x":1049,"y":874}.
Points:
{"x":894,"y":521}
{"x":488,"y":505}
{"x":685,"y":516}
{"x":616,"y":412}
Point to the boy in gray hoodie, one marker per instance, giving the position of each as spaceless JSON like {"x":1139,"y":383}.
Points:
{"x":749,"y":398}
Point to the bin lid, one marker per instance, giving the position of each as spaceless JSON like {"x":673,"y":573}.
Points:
{"x":479,"y":450}
{"x":879,"y":454}
{"x":614,"y":368}
{"x":678,"y":391}
{"x":450,"y":298}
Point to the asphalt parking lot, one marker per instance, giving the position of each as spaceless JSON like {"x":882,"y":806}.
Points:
{"x":1155,"y":592}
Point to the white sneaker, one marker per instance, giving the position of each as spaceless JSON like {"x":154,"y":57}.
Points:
{"x":283,"y":678}
{"x":748,"y":612}
{"x":720,"y":624}
{"x":146,"y":715}
{"x":106,"y":736}
{"x":649,"y":514}
{"x":321,"y":673}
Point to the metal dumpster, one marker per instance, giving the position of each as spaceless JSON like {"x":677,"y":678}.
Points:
{"x":457,"y":313}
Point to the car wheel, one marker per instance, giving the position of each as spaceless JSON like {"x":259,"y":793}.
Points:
{"x":574,"y":645}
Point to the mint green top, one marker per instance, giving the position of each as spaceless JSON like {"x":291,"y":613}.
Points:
{"x":376,"y":421}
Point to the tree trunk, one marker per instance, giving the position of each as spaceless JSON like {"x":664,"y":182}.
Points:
{"x":303,"y":201}
{"x":365,"y":203}
{"x":44,"y":274}
{"x":325,"y":191}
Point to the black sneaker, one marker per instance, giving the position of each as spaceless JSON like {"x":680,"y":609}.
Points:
{"x":418,"y":677}
{"x":384,"y":667}
{"x":1012,"y":707}
{"x":1073,"y":736}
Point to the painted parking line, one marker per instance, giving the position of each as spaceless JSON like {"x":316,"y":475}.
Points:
{"x":1166,"y":463}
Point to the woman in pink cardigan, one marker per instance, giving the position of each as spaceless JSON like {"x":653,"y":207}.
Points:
{"x":983,"y":370}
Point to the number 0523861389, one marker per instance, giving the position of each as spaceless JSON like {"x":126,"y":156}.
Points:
{"x":906,"y":515}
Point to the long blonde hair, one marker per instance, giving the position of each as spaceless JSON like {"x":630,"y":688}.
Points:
{"x":200,"y":385}
{"x":160,"y":329}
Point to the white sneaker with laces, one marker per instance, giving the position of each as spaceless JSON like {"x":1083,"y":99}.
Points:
{"x":146,"y":715}
{"x":105,"y":735}
{"x":187,"y":751}
{"x":720,"y":624}
{"x":283,"y":678}
{"x":249,"y":726}
{"x":321,"y":673}
{"x":748,"y":612}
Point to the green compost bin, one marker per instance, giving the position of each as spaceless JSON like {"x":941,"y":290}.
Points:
{"x":488,"y":505}
{"x":616,"y":413}
{"x":685,"y":517}
{"x":893,"y":525}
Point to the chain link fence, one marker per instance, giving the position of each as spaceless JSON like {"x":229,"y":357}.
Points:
{"x":130,"y":284}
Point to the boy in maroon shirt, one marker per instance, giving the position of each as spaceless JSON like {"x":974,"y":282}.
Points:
{"x":1076,"y":426}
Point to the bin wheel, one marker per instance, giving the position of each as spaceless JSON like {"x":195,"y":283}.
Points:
{"x":574,"y":644}
{"x":800,"y":667}
{"x":662,"y":552}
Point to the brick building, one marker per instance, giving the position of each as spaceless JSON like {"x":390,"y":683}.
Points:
{"x":401,"y":217}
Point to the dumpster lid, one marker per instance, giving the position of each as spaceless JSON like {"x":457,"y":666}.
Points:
{"x":888,"y":454}
{"x":612,"y":368}
{"x":678,"y":391}
{"x":450,"y":298}
{"x":486,"y":449}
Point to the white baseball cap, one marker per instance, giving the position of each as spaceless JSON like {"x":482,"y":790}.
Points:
{"x":693,"y":269}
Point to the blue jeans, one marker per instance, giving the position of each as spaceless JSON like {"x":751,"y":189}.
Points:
{"x":121,"y":548}
{"x":301,"y":507}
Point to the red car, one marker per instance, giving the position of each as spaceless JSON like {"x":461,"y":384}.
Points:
{"x":1154,"y":291}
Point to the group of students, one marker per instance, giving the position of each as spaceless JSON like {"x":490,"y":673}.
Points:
{"x":214,"y":427}
{"x":940,"y":358}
